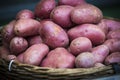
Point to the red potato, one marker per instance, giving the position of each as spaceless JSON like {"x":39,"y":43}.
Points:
{"x":71,"y":2}
{"x":114,"y":34}
{"x":53,"y":35}
{"x":59,"y":58}
{"x":91,"y":31}
{"x":26,"y":27}
{"x":20,"y":57}
{"x":113,"y":45}
{"x":34,"y":40}
{"x":99,"y":65}
{"x":100,"y":53}
{"x":25,"y":14}
{"x":61,"y":15}
{"x":79,"y":45}
{"x":4,"y":52}
{"x":44,"y":8}
{"x":8,"y":32}
{"x":85,"y":60}
{"x":113,"y":58}
{"x":87,"y":13}
{"x":18,"y":45}
{"x":11,"y":57}
{"x":35,"y":54}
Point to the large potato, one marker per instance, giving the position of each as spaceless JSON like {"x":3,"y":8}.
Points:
{"x":91,"y":31}
{"x":34,"y":54}
{"x":59,"y":58}
{"x":100,"y":53}
{"x":4,"y":52}
{"x":86,"y":14}
{"x":79,"y":45}
{"x":44,"y":8}
{"x":61,"y":15}
{"x":114,"y":34}
{"x":26,"y":27}
{"x":53,"y":35}
{"x":18,"y":45}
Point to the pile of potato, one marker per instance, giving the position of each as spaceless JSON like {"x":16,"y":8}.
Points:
{"x":63,"y":34}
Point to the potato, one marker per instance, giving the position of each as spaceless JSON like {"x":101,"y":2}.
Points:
{"x":71,"y":2}
{"x":99,"y":65}
{"x":79,"y":45}
{"x":44,"y":8}
{"x":113,"y":44}
{"x":87,"y":13}
{"x":34,"y":54}
{"x":25,"y":14}
{"x":26,"y":27}
{"x":85,"y":60}
{"x":114,"y":34}
{"x":59,"y":58}
{"x":8,"y":31}
{"x":91,"y":31}
{"x":20,"y":57}
{"x":100,"y":53}
{"x":53,"y":35}
{"x":61,"y":15}
{"x":11,"y":57}
{"x":34,"y":40}
{"x":4,"y":52}
{"x":113,"y":58}
{"x":18,"y":45}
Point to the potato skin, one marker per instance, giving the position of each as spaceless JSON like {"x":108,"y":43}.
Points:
{"x":53,"y":35}
{"x":58,"y":58}
{"x":113,"y":58}
{"x":61,"y":15}
{"x":4,"y":52}
{"x":18,"y":45}
{"x":87,"y":13}
{"x":26,"y":27}
{"x":79,"y":45}
{"x":100,"y":53}
{"x":114,"y":34}
{"x":34,"y":54}
{"x":44,"y":8}
{"x":20,"y":57}
{"x":91,"y":31}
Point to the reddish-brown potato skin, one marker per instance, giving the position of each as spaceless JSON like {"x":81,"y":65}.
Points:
{"x":59,"y":58}
{"x":113,"y":58}
{"x":34,"y":54}
{"x":53,"y":35}
{"x":100,"y":53}
{"x":114,"y":34}
{"x":79,"y":45}
{"x":8,"y":31}
{"x":20,"y":57}
{"x":91,"y":31}
{"x":44,"y":8}
{"x":25,"y":14}
{"x":71,"y":2}
{"x":4,"y":52}
{"x":86,"y":14}
{"x":61,"y":15}
{"x":18,"y":45}
{"x":113,"y":45}
{"x":11,"y":57}
{"x":26,"y":27}
{"x":85,"y":60}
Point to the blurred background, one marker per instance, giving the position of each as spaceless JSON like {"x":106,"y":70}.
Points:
{"x":9,"y":8}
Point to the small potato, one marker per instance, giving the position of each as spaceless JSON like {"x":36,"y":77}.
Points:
{"x":113,"y":58}
{"x":26,"y":27}
{"x":8,"y":32}
{"x":87,"y":13}
{"x":11,"y":57}
{"x":4,"y":52}
{"x":18,"y":45}
{"x":91,"y":31}
{"x":34,"y":40}
{"x":100,"y":53}
{"x":99,"y":65}
{"x":44,"y":8}
{"x":35,"y":54}
{"x":113,"y":45}
{"x":59,"y":58}
{"x":114,"y":34}
{"x":85,"y":60}
{"x":61,"y":15}
{"x":20,"y":57}
{"x":71,"y":2}
{"x":53,"y":35}
{"x":79,"y":45}
{"x":25,"y":14}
